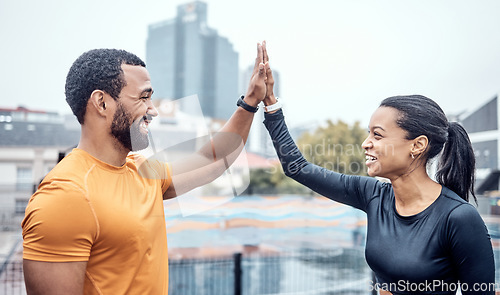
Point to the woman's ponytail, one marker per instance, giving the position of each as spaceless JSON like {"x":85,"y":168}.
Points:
{"x":457,"y":163}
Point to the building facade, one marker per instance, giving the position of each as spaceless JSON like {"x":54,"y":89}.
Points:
{"x":482,"y":125}
{"x":30,"y":145}
{"x":185,"y":57}
{"x":484,"y":132}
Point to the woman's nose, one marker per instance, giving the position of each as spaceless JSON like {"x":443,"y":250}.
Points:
{"x":367,"y":143}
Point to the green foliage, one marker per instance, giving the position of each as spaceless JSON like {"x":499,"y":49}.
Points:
{"x":273,"y":181}
{"x":335,"y":146}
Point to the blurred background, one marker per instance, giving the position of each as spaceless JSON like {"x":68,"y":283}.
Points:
{"x":334,"y":61}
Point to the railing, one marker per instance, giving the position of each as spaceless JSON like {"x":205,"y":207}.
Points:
{"x":11,"y":272}
{"x":305,"y":271}
{"x":10,"y":220}
{"x":314,"y":272}
{"x":12,"y":279}
{"x":338,"y":271}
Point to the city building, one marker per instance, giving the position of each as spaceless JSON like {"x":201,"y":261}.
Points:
{"x":185,"y":57}
{"x":30,"y":145}
{"x":482,"y":124}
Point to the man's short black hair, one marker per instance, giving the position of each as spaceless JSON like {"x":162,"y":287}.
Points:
{"x":98,"y":69}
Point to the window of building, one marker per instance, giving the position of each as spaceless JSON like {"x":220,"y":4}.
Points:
{"x":5,"y":118}
{"x":24,"y":178}
{"x":21,"y":205}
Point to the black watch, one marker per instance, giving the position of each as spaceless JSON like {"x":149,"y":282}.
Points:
{"x":243,"y":104}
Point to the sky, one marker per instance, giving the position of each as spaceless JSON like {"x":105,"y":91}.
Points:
{"x":336,"y":59}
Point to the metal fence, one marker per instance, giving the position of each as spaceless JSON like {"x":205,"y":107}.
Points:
{"x":338,"y":271}
{"x":10,"y":220}
{"x":11,"y":272}
{"x":12,"y":279}
{"x":307,"y":271}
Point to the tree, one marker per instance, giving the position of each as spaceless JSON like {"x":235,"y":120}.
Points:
{"x":273,"y":181}
{"x":336,"y":146}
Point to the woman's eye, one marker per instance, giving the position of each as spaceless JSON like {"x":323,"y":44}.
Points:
{"x":375,"y":134}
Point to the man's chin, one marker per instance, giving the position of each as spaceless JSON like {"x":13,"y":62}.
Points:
{"x":138,"y":149}
{"x":139,"y":140}
{"x":139,"y":146}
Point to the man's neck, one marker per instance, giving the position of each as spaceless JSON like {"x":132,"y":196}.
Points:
{"x":104,"y":148}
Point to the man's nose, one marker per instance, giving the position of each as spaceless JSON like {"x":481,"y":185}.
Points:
{"x":152,"y":111}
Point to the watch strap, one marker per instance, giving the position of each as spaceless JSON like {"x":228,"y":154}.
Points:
{"x":273,"y":107}
{"x":244,"y":105}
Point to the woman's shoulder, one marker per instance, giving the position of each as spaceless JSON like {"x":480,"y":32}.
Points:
{"x":452,"y":197}
{"x":366,"y":183}
{"x":375,"y":188}
{"x":459,"y":211}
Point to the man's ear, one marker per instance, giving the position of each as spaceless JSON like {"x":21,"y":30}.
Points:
{"x":420,"y":144}
{"x":97,"y":101}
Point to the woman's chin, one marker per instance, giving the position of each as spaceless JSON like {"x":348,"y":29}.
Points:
{"x":372,"y":172}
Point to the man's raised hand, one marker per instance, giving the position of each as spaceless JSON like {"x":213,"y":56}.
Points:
{"x":269,"y":99}
{"x":257,"y":86}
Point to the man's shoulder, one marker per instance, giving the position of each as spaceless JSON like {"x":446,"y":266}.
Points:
{"x":63,"y":185}
{"x":70,"y":171}
{"x":150,"y":168}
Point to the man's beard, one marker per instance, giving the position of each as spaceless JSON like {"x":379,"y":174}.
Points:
{"x":128,"y":134}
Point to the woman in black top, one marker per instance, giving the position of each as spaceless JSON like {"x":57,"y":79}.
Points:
{"x":423,"y":236}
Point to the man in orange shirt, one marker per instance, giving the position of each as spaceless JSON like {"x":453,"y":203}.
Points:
{"x":96,"y":223}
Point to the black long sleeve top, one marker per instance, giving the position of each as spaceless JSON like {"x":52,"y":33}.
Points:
{"x":427,"y":253}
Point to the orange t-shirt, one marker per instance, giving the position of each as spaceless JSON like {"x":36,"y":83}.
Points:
{"x":111,"y":217}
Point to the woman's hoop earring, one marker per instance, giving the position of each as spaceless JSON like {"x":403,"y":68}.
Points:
{"x":412,"y":156}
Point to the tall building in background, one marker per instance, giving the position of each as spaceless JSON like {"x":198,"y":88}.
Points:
{"x":185,"y":57}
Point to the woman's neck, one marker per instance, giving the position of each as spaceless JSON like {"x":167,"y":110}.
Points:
{"x":415,"y":192}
